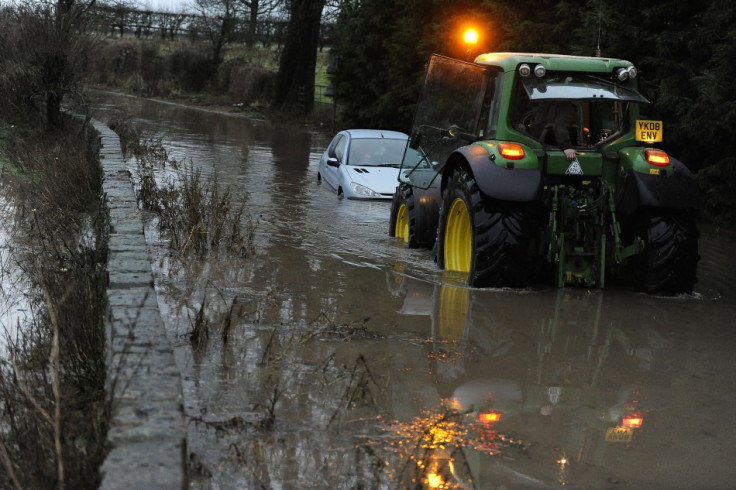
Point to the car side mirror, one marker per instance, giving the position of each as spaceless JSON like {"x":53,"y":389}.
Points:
{"x":333,"y":162}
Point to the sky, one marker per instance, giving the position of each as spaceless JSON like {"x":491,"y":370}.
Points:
{"x":174,"y":6}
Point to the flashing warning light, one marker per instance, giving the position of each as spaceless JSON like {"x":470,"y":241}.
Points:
{"x":632,"y":421}
{"x":470,"y":36}
{"x":511,"y":151}
{"x":489,"y":417}
{"x":657,"y":158}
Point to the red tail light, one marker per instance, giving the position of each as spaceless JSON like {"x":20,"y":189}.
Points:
{"x":632,"y":421}
{"x":489,"y":417}
{"x":657,"y":157}
{"x":511,"y":151}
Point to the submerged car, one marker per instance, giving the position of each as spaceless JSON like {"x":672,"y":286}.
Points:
{"x":363,"y":163}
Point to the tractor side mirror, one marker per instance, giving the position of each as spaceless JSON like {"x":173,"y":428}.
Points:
{"x":414,"y":140}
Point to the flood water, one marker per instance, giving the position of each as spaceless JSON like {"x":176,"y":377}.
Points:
{"x":352,"y":362}
{"x":14,"y":306}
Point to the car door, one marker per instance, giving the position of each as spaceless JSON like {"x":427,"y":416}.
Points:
{"x":337,"y":151}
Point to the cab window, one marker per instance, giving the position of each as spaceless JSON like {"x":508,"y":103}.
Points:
{"x":596,"y":110}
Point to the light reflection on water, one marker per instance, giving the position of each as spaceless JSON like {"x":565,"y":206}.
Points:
{"x":347,"y":352}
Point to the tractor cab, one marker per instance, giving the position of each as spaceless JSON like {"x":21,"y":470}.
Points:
{"x":515,"y":98}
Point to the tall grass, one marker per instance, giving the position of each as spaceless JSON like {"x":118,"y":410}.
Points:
{"x":54,"y":411}
{"x":194,"y":214}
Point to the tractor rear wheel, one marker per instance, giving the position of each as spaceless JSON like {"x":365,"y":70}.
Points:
{"x":485,"y":238}
{"x":670,"y":260}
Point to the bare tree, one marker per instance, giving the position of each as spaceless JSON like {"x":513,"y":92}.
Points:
{"x":257,"y":10}
{"x":218,"y":20}
{"x":44,"y":45}
{"x":295,"y":78}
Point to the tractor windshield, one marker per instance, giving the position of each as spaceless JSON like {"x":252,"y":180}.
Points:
{"x":578,"y":87}
{"x":572,"y":110}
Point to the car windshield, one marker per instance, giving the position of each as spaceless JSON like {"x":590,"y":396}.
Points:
{"x":374,"y":152}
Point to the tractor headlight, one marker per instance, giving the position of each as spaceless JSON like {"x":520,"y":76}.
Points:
{"x":622,"y":74}
{"x":540,"y":71}
{"x":525,"y":70}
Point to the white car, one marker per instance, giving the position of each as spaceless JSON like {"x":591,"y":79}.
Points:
{"x":363,"y":163}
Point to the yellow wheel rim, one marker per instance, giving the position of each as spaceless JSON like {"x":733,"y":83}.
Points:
{"x":402,"y":223}
{"x":458,"y":238}
{"x":453,"y":311}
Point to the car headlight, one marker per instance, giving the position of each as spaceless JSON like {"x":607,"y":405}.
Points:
{"x":363,"y":191}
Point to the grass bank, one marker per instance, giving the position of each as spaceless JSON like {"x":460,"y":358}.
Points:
{"x":54,"y":410}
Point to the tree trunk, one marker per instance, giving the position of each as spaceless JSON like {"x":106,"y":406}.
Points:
{"x":295,"y":79}
{"x":250,"y":39}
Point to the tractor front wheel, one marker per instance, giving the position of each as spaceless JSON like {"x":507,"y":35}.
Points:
{"x":403,"y":221}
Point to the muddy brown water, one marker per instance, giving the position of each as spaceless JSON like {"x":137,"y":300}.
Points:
{"x":352,"y":362}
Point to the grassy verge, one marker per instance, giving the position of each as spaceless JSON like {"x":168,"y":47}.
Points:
{"x":54,"y":410}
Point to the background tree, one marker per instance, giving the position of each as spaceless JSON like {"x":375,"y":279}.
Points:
{"x":294,"y":90}
{"x":382,"y":47}
{"x":218,"y":20}
{"x":44,"y":47}
{"x":360,"y":58}
{"x":254,"y":12}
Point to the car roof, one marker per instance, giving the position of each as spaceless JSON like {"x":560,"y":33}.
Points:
{"x":375,"y":133}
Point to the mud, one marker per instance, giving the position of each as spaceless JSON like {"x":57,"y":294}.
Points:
{"x":338,"y":358}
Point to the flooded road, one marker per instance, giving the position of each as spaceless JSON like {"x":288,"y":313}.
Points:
{"x":338,"y":358}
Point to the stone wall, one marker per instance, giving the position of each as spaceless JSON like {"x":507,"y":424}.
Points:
{"x":147,"y":434}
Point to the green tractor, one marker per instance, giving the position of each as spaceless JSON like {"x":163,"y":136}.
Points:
{"x":524,"y":166}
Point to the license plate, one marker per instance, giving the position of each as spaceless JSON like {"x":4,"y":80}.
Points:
{"x":618,"y":434}
{"x":648,"y":131}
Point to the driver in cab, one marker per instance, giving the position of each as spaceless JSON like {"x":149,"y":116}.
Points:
{"x":554,"y":123}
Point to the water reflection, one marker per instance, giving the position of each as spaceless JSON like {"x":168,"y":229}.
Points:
{"x":565,"y":384}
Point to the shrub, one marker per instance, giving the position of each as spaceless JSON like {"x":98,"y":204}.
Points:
{"x":191,"y":69}
{"x":152,"y":67}
{"x":249,"y":83}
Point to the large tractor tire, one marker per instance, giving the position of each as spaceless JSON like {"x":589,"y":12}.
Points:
{"x":485,"y":238}
{"x":669,"y":262}
{"x":403,"y":223}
